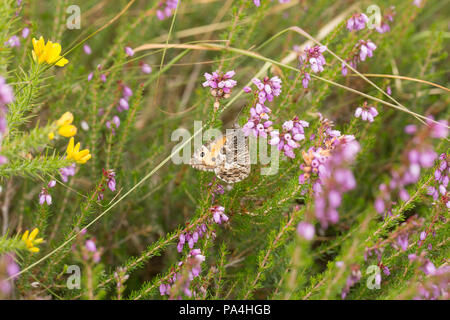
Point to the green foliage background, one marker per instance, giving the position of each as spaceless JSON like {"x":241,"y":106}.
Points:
{"x":257,"y":254}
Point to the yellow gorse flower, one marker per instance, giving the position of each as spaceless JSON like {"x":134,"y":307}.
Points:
{"x":30,"y":241}
{"x":74,"y":153}
{"x":66,"y":129}
{"x":48,"y":53}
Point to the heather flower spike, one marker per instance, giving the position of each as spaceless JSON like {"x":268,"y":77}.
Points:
{"x":220,"y":85}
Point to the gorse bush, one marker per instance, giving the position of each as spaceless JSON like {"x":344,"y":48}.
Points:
{"x":342,"y":105}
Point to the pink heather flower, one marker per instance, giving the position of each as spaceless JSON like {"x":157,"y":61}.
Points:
{"x":123,"y":105}
{"x":191,"y":237}
{"x":257,"y":2}
{"x":314,"y":58}
{"x":306,"y":79}
{"x":417,"y":3}
{"x":402,"y":241}
{"x":8,"y":261}
{"x":166,"y":8}
{"x":45,"y":197}
{"x":411,"y":129}
{"x":67,"y":172}
{"x":6,"y":93}
{"x":110,"y":179}
{"x":90,"y":245}
{"x":163,"y":289}
{"x":115,"y":122}
{"x":218,"y":214}
{"x":90,"y":76}
{"x":335,"y":180}
{"x":127,"y":92}
{"x":366,"y":49}
{"x":103,"y":78}
{"x":366,"y":112}
{"x":51,"y":184}
{"x":129,"y":51}
{"x":259,"y":123}
{"x":439,"y":130}
{"x":389,"y":90}
{"x":87,"y":49}
{"x":357,"y":22}
{"x":25,"y":33}
{"x":293,"y":132}
{"x":428,"y":268}
{"x":220,"y":84}
{"x":388,"y":17}
{"x":13,"y":42}
{"x":145,"y":68}
{"x":352,"y":279}
{"x":267,"y":89}
{"x":306,"y":230}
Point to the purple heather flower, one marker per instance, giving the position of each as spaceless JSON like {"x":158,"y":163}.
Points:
{"x":259,"y":123}
{"x":335,"y":179}
{"x":6,"y":93}
{"x":45,"y":197}
{"x":267,"y":89}
{"x":87,"y":49}
{"x":145,"y":68}
{"x":51,"y":184}
{"x":127,"y":92}
{"x":366,"y":49}
{"x":306,"y":230}
{"x":13,"y":42}
{"x":310,"y":59}
{"x":402,"y":241}
{"x":25,"y":33}
{"x":129,"y":51}
{"x":366,"y":112}
{"x":220,"y":84}
{"x":293,"y":132}
{"x":257,"y":2}
{"x":306,"y":79}
{"x":357,"y":22}
{"x":218,"y":214}
{"x":113,"y":124}
{"x":110,"y":179}
{"x":90,"y":245}
{"x":417,"y":3}
{"x":439,"y":129}
{"x":352,"y":279}
{"x":67,"y":172}
{"x":166,"y":8}
{"x":428,"y":268}
{"x":123,"y":105}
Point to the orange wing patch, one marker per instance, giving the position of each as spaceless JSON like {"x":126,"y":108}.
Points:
{"x":211,"y":158}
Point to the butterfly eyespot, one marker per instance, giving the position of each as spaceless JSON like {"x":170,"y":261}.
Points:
{"x":202,"y":154}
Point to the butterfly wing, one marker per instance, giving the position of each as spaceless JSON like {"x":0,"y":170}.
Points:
{"x":236,"y":166}
{"x":209,"y":156}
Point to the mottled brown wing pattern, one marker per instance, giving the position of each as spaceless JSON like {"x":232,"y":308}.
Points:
{"x":227,"y":156}
{"x":236,"y":166}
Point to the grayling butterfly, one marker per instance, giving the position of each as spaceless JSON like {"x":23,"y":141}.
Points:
{"x":227,"y":156}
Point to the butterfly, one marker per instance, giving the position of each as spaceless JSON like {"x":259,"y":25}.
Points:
{"x":227,"y":156}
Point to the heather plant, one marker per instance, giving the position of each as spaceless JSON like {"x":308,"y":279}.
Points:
{"x":347,"y":100}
